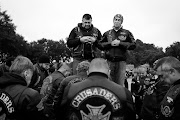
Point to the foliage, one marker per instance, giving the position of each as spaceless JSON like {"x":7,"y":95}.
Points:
{"x":55,"y":49}
{"x":173,"y":50}
{"x":144,"y":53}
{"x":11,"y":43}
{"x":7,"y":33}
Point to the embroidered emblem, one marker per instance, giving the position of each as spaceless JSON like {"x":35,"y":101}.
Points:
{"x":169,"y":99}
{"x":99,"y":92}
{"x":123,"y":33}
{"x":95,"y":113}
{"x":73,"y":116}
{"x":118,"y":118}
{"x":166,"y":111}
{"x":76,"y":80}
{"x":122,"y":37}
{"x":95,"y":35}
{"x":149,"y":91}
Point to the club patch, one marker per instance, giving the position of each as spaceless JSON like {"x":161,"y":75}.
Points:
{"x":122,"y":37}
{"x":98,"y":92}
{"x":95,"y":113}
{"x":166,"y":111}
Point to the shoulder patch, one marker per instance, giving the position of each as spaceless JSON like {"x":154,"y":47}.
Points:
{"x":47,"y":85}
{"x":75,"y":80}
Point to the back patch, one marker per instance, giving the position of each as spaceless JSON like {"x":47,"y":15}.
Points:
{"x":95,"y":103}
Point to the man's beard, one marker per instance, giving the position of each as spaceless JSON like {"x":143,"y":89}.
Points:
{"x":87,"y":26}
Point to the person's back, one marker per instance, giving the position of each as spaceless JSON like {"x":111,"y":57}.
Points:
{"x":80,"y":76}
{"x":15,"y":84}
{"x":97,"y":97}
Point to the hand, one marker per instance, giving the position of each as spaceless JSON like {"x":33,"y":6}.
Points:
{"x":115,"y":42}
{"x":92,"y":39}
{"x":84,"y":39}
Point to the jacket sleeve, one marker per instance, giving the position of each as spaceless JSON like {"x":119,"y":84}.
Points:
{"x":105,"y":44}
{"x":48,"y":103}
{"x":130,"y":113}
{"x":59,"y":94}
{"x":61,"y":99}
{"x":132,"y":43}
{"x":97,"y":42}
{"x":73,"y":41}
{"x":176,"y":114}
{"x":29,"y":101}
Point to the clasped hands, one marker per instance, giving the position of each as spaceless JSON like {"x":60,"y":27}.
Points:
{"x":115,"y":42}
{"x":88,"y":39}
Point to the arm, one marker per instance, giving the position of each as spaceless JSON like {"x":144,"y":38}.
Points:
{"x":73,"y":40}
{"x":61,"y":100}
{"x":130,"y":113}
{"x":105,"y":44}
{"x":176,"y":114}
{"x":97,"y":42}
{"x":131,"y":44}
{"x":29,"y":102}
{"x":59,"y":94}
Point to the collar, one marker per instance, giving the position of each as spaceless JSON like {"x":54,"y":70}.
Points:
{"x":177,"y":82}
{"x":98,"y":74}
{"x":117,"y":29}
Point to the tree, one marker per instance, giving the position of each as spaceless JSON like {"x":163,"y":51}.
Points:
{"x":173,"y":50}
{"x":11,"y":43}
{"x":7,"y":33}
{"x":144,"y":53}
{"x":55,"y":49}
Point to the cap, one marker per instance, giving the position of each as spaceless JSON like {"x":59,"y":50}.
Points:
{"x":44,"y":59}
{"x":99,"y":65}
{"x":83,"y":66}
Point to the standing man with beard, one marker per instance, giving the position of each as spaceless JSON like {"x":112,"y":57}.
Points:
{"x":84,"y":41}
{"x":41,"y":72}
{"x":116,"y":42}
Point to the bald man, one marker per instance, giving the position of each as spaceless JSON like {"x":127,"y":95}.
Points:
{"x":97,"y":97}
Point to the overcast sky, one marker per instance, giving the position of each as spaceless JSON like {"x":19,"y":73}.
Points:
{"x":152,"y":21}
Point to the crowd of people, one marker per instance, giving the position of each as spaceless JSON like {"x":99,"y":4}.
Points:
{"x":95,"y":86}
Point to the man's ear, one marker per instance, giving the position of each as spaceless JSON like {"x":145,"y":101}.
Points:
{"x":109,"y":73}
{"x":173,"y":71}
{"x":25,"y":73}
{"x":87,"y":72}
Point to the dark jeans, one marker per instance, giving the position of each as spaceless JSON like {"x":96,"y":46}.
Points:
{"x":118,"y":70}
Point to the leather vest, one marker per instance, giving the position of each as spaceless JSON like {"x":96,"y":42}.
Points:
{"x":85,"y":50}
{"x":167,"y":104}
